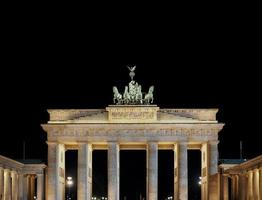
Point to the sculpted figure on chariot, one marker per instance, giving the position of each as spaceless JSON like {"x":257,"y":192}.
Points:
{"x":133,"y":92}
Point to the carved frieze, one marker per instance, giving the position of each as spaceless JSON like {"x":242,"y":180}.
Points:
{"x":134,"y":114}
{"x":118,"y":132}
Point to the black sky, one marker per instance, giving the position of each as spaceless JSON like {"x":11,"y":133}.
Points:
{"x":195,"y":61}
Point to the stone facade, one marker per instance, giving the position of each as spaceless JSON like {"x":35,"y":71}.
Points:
{"x":241,"y":181}
{"x":130,"y":127}
{"x":17,"y":180}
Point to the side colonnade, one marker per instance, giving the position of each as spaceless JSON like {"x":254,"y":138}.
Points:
{"x":243,"y":181}
{"x":18,"y":181}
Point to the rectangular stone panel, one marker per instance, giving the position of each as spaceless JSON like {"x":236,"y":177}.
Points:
{"x":133,"y":114}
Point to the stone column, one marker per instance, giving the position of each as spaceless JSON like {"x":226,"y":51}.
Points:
{"x":7,"y":184}
{"x":84,"y":185}
{"x":182,"y":171}
{"x":152,"y":170}
{"x":176,"y":161}
{"x":204,"y":170}
{"x":213,"y":157}
{"x":250,"y":186}
{"x":32,"y":187}
{"x":237,"y":186}
{"x":256,"y":184}
{"x":1,"y":182}
{"x":260,"y":182}
{"x":113,"y":171}
{"x":40,"y":186}
{"x":14,"y":185}
{"x":242,"y":187}
{"x":25,"y":187}
{"x":225,"y":188}
{"x":56,"y":171}
{"x":20,"y":186}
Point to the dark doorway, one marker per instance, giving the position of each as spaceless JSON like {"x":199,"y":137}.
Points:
{"x":99,"y":188}
{"x":132,"y":174}
{"x":194,"y":173}
{"x":71,"y":171}
{"x":165,"y":174}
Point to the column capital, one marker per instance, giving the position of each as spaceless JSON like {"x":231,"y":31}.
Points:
{"x":13,"y":172}
{"x":182,"y":143}
{"x":213,"y":142}
{"x":242,"y":175}
{"x":112,"y":142}
{"x":7,"y":170}
{"x":39,"y":174}
{"x":150,"y":144}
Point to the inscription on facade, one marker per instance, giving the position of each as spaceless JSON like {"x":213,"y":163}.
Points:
{"x":132,"y":113}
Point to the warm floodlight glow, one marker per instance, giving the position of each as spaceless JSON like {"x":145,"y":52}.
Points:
{"x":69,"y":181}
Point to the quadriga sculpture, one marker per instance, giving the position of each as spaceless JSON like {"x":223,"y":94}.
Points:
{"x":149,"y":98}
{"x":117,"y":96}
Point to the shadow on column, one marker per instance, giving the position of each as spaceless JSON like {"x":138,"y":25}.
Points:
{"x":132,"y":174}
{"x":71,"y":171}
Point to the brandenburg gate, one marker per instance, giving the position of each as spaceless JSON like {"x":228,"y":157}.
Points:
{"x":131,"y":123}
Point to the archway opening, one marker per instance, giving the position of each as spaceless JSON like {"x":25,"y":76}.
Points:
{"x":165,"y":174}
{"x":71,"y":174}
{"x":194,"y":174}
{"x":99,"y":174}
{"x":133,"y":174}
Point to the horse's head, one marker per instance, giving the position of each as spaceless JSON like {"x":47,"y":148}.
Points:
{"x":126,"y":89}
{"x":151,"y":89}
{"x":115,"y":89}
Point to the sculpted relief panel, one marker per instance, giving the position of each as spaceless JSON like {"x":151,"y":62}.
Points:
{"x":132,"y":114}
{"x":122,"y":133}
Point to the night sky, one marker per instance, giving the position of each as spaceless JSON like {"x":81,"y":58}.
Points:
{"x":194,"y":64}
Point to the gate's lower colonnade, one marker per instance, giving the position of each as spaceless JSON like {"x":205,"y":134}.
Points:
{"x":56,"y":154}
{"x":130,"y":127}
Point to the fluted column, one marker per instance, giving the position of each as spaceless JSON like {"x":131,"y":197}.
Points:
{"x":182,"y":171}
{"x":32,"y":187}
{"x":250,"y":185}
{"x":256,"y":184}
{"x":84,"y":185}
{"x":20,"y":186}
{"x":56,"y":171}
{"x":242,"y":186}
{"x":204,"y":170}
{"x":113,"y":171}
{"x":225,"y":188}
{"x":176,"y":161}
{"x":7,"y":184}
{"x":233,"y":187}
{"x":213,"y":157}
{"x":237,"y":186}
{"x":26,"y":186}
{"x":260,"y":182}
{"x":14,"y":176}
{"x":152,"y":170}
{"x":1,"y":182}
{"x":40,"y":186}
